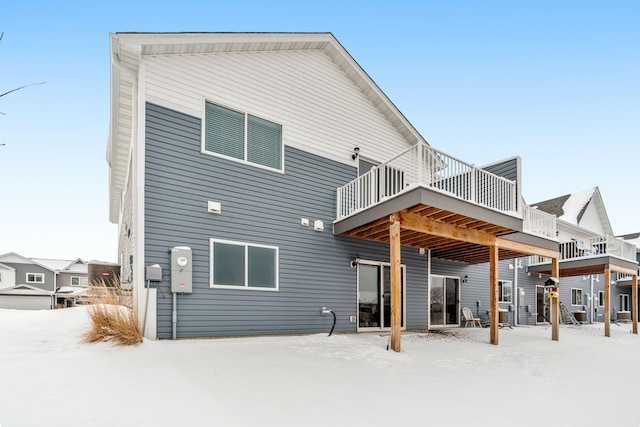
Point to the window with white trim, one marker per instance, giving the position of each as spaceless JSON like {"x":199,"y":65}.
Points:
{"x":78,"y":281}
{"x":242,"y":265}
{"x":600,"y":298}
{"x":624,"y":302}
{"x":504,"y":291}
{"x":35,"y":278}
{"x":242,"y":136}
{"x":576,"y":296}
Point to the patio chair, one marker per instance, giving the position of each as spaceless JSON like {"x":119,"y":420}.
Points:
{"x":467,"y":315}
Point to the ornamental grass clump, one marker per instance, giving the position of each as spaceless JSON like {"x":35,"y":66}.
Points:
{"x":112,"y":318}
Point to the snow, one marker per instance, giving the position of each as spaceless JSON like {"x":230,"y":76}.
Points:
{"x":574,"y":205}
{"x":48,"y":377}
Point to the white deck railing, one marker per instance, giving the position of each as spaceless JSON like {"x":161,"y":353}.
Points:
{"x":422,"y":165}
{"x":538,"y":222}
{"x":594,"y":246}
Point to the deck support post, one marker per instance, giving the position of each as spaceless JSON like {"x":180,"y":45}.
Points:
{"x":555,"y":302}
{"x":607,"y":302}
{"x":493,"y":293}
{"x":634,"y":302}
{"x":396,"y":306}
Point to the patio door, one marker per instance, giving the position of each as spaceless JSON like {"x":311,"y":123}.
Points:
{"x":444,"y":302}
{"x":542,"y":306}
{"x":374,"y":295}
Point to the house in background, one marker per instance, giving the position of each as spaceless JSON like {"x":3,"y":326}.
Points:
{"x":591,"y":258}
{"x":40,"y":283}
{"x":264,"y":177}
{"x":7,"y":276}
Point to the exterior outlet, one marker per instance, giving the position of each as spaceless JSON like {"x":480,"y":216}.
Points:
{"x":352,"y":319}
{"x":318,"y":225}
{"x":304,"y":222}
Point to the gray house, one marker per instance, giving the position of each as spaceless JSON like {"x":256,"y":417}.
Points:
{"x":39,"y":283}
{"x":268,"y":177}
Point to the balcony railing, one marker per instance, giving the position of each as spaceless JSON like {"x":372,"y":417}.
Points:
{"x":591,"y":247}
{"x":422,"y":165}
{"x":538,"y":222}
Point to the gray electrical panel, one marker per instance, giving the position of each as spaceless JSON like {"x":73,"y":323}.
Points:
{"x":181,"y":270}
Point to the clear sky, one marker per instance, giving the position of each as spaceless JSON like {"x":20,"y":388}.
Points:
{"x":555,"y":82}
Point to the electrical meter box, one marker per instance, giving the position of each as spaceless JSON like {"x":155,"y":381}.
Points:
{"x":181,"y":270}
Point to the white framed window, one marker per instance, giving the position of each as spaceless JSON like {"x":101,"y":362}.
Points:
{"x":600,"y":298}
{"x":505,"y":291}
{"x":576,"y":296}
{"x":624,"y":302}
{"x":78,"y":281}
{"x":239,"y":265}
{"x":35,"y":278}
{"x":241,"y":136}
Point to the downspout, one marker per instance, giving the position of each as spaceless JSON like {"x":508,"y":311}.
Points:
{"x":591,"y":303}
{"x":516,"y":301}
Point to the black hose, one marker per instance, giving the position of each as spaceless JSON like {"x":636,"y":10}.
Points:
{"x":334,"y":322}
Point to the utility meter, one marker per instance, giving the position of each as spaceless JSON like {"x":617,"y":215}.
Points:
{"x":181,"y":270}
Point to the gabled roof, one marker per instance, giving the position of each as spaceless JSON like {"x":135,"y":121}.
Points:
{"x":128,"y":48}
{"x":571,"y":208}
{"x":6,"y":267}
{"x":23,"y":260}
{"x":24,"y":290}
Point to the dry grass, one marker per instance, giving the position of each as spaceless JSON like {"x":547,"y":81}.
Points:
{"x":112,"y":319}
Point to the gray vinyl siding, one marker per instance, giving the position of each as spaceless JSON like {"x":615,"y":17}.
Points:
{"x":507,"y":169}
{"x":261,"y":207}
{"x":23,"y":269}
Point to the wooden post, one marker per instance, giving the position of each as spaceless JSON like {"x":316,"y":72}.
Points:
{"x":634,"y":302}
{"x":555,"y":302}
{"x":607,"y":302}
{"x":396,"y":304}
{"x":493,"y":293}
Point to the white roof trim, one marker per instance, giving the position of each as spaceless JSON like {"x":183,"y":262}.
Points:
{"x":128,"y":48}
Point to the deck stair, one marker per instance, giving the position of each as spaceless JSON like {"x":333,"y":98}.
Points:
{"x":567,"y":317}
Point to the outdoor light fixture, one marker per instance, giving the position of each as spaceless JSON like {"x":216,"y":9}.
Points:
{"x":465,"y":278}
{"x":356,"y":152}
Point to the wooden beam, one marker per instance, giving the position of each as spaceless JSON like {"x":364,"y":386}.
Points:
{"x":493,"y":293}
{"x":634,"y":302}
{"x":425,"y":225}
{"x":555,"y":302}
{"x":607,"y":302}
{"x":623,"y":270}
{"x":527,"y":249}
{"x":396,"y":305}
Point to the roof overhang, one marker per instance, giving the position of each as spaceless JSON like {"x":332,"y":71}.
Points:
{"x":587,"y":266}
{"x":128,"y":49}
{"x":453,"y":229}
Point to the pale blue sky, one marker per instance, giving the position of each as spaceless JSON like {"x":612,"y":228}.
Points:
{"x":555,"y":82}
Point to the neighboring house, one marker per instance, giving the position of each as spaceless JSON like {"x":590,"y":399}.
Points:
{"x":29,"y":276}
{"x":297,"y":185}
{"x":587,"y":249}
{"x":7,"y":276}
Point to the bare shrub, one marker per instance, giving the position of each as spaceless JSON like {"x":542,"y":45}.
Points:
{"x":111,"y":315}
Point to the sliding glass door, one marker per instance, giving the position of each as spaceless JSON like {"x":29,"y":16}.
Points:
{"x":444,"y":301}
{"x":374,"y":295}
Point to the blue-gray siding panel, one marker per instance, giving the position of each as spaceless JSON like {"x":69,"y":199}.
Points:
{"x":262,"y":207}
{"x":23,"y":269}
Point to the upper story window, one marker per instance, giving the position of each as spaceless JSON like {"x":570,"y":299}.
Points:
{"x":241,"y":136}
{"x":78,"y":281}
{"x":35,"y":278}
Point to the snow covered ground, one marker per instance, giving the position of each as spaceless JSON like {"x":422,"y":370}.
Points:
{"x":49,"y":378}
